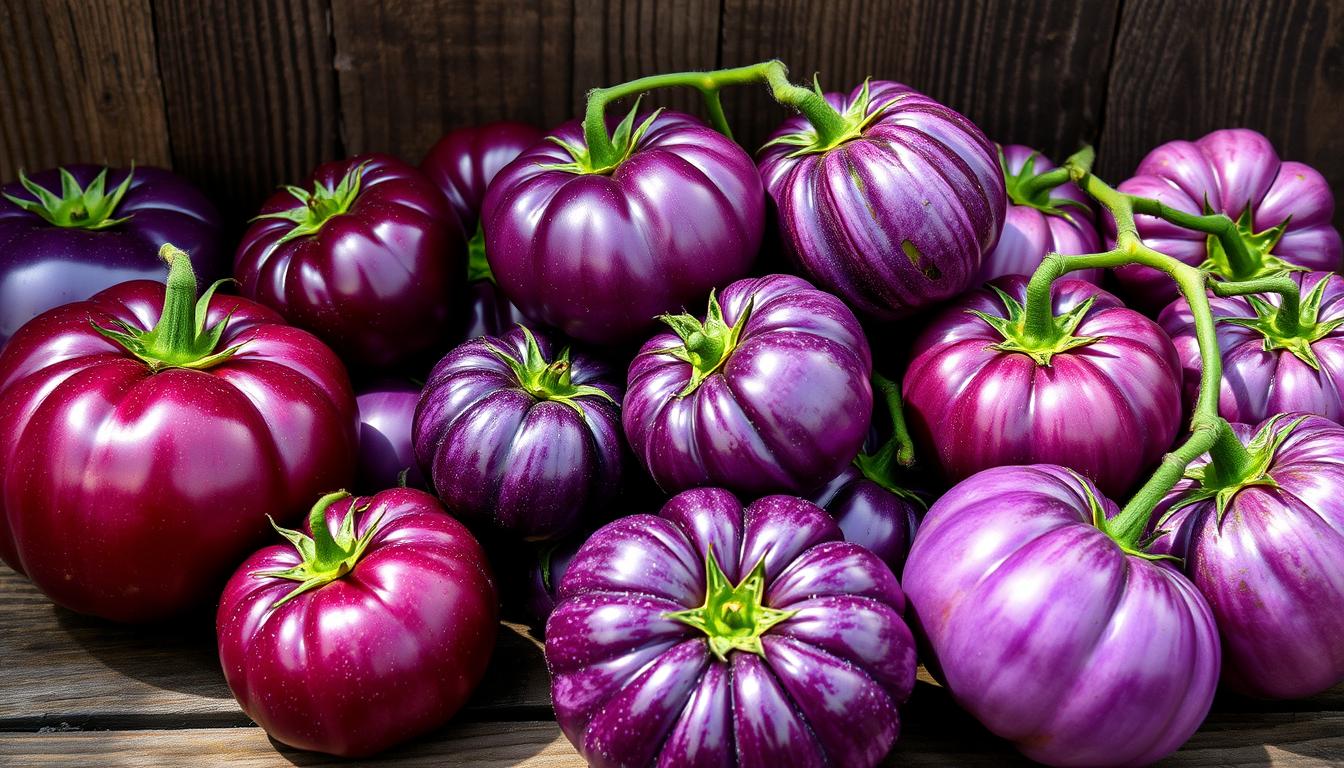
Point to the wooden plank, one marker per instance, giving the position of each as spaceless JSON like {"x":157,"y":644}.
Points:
{"x":483,"y":745}
{"x":250,"y":92}
{"x":410,"y":70}
{"x":79,"y":83}
{"x":620,"y":40}
{"x":63,"y":669}
{"x":1186,"y":67}
{"x":1031,"y":75}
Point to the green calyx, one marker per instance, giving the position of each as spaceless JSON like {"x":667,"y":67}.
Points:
{"x":705,"y":345}
{"x":1030,"y":189}
{"x":624,"y":140}
{"x":1059,"y":335}
{"x":899,"y":450}
{"x":320,"y":205}
{"x":546,"y":380}
{"x":1259,"y":259}
{"x":1285,"y":329}
{"x":1108,"y":527}
{"x":1222,"y":480}
{"x":733,"y":617}
{"x":179,"y":339}
{"x":76,"y":207}
{"x":324,"y":557}
{"x":854,"y":121}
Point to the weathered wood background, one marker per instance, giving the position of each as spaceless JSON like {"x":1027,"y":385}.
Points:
{"x":243,"y":95}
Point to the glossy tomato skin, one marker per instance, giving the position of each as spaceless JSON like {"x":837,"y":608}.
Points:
{"x":1041,"y":626}
{"x":129,"y":494}
{"x":787,"y":411}
{"x":464,"y":162}
{"x":1258,"y":383}
{"x":600,"y":256}
{"x":1233,"y":170}
{"x":381,"y":283}
{"x":897,"y":219}
{"x":498,"y":456}
{"x":1109,"y":409}
{"x":43,"y":266}
{"x":1030,"y":233}
{"x":633,"y":687}
{"x":380,"y":655}
{"x":1272,"y":566}
{"x":871,"y":516}
{"x":386,"y":413}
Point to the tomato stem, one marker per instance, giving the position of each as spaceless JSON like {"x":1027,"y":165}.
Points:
{"x":603,"y":153}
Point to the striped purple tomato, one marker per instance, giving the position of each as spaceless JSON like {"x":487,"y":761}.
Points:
{"x":716,"y":635}
{"x":897,"y":213}
{"x":1040,"y":220}
{"x":1275,"y":360}
{"x":1283,"y":210}
{"x":600,"y":252}
{"x":518,"y":435}
{"x":1265,"y":546}
{"x":768,"y":392}
{"x":1048,"y":632}
{"x":374,"y":627}
{"x":1097,"y":389}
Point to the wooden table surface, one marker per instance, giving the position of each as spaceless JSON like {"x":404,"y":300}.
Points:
{"x":76,"y":691}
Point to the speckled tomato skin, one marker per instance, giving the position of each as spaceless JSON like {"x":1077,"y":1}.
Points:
{"x":634,"y":688}
{"x":387,"y":652}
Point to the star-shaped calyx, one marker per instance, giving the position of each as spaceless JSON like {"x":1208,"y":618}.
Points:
{"x":1060,"y":337}
{"x":733,"y":617}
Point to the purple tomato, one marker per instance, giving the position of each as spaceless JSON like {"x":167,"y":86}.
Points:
{"x":386,"y":453}
{"x":1048,"y":632}
{"x":768,"y":392}
{"x":372,"y":628}
{"x":716,"y":635}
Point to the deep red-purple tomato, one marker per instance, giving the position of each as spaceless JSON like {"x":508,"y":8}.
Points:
{"x":1042,"y":627}
{"x":601,"y":256}
{"x":386,"y":412}
{"x":897,"y":218}
{"x":43,"y":265}
{"x":1237,"y":172}
{"x":386,"y":652}
{"x":131,"y":494}
{"x":1272,"y":564}
{"x":1030,"y":233}
{"x":871,"y":516}
{"x":1108,"y":409}
{"x":379,"y":279}
{"x":501,"y":454}
{"x":786,"y":410}
{"x":463,"y":163}
{"x":820,"y":666}
{"x":1258,"y":382}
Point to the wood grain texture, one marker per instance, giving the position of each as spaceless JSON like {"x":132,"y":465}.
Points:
{"x":250,"y":93}
{"x":1030,"y":74}
{"x":410,"y":70}
{"x":1183,"y":68}
{"x":65,"y":670}
{"x":79,"y":82}
{"x":620,"y":40}
{"x":472,"y":745}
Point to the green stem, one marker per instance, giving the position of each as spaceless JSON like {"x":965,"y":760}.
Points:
{"x":174,"y":336}
{"x":1288,"y":318}
{"x":1239,"y":258}
{"x":327,"y":551}
{"x":899,"y":446}
{"x":1039,"y":183}
{"x":829,"y":124}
